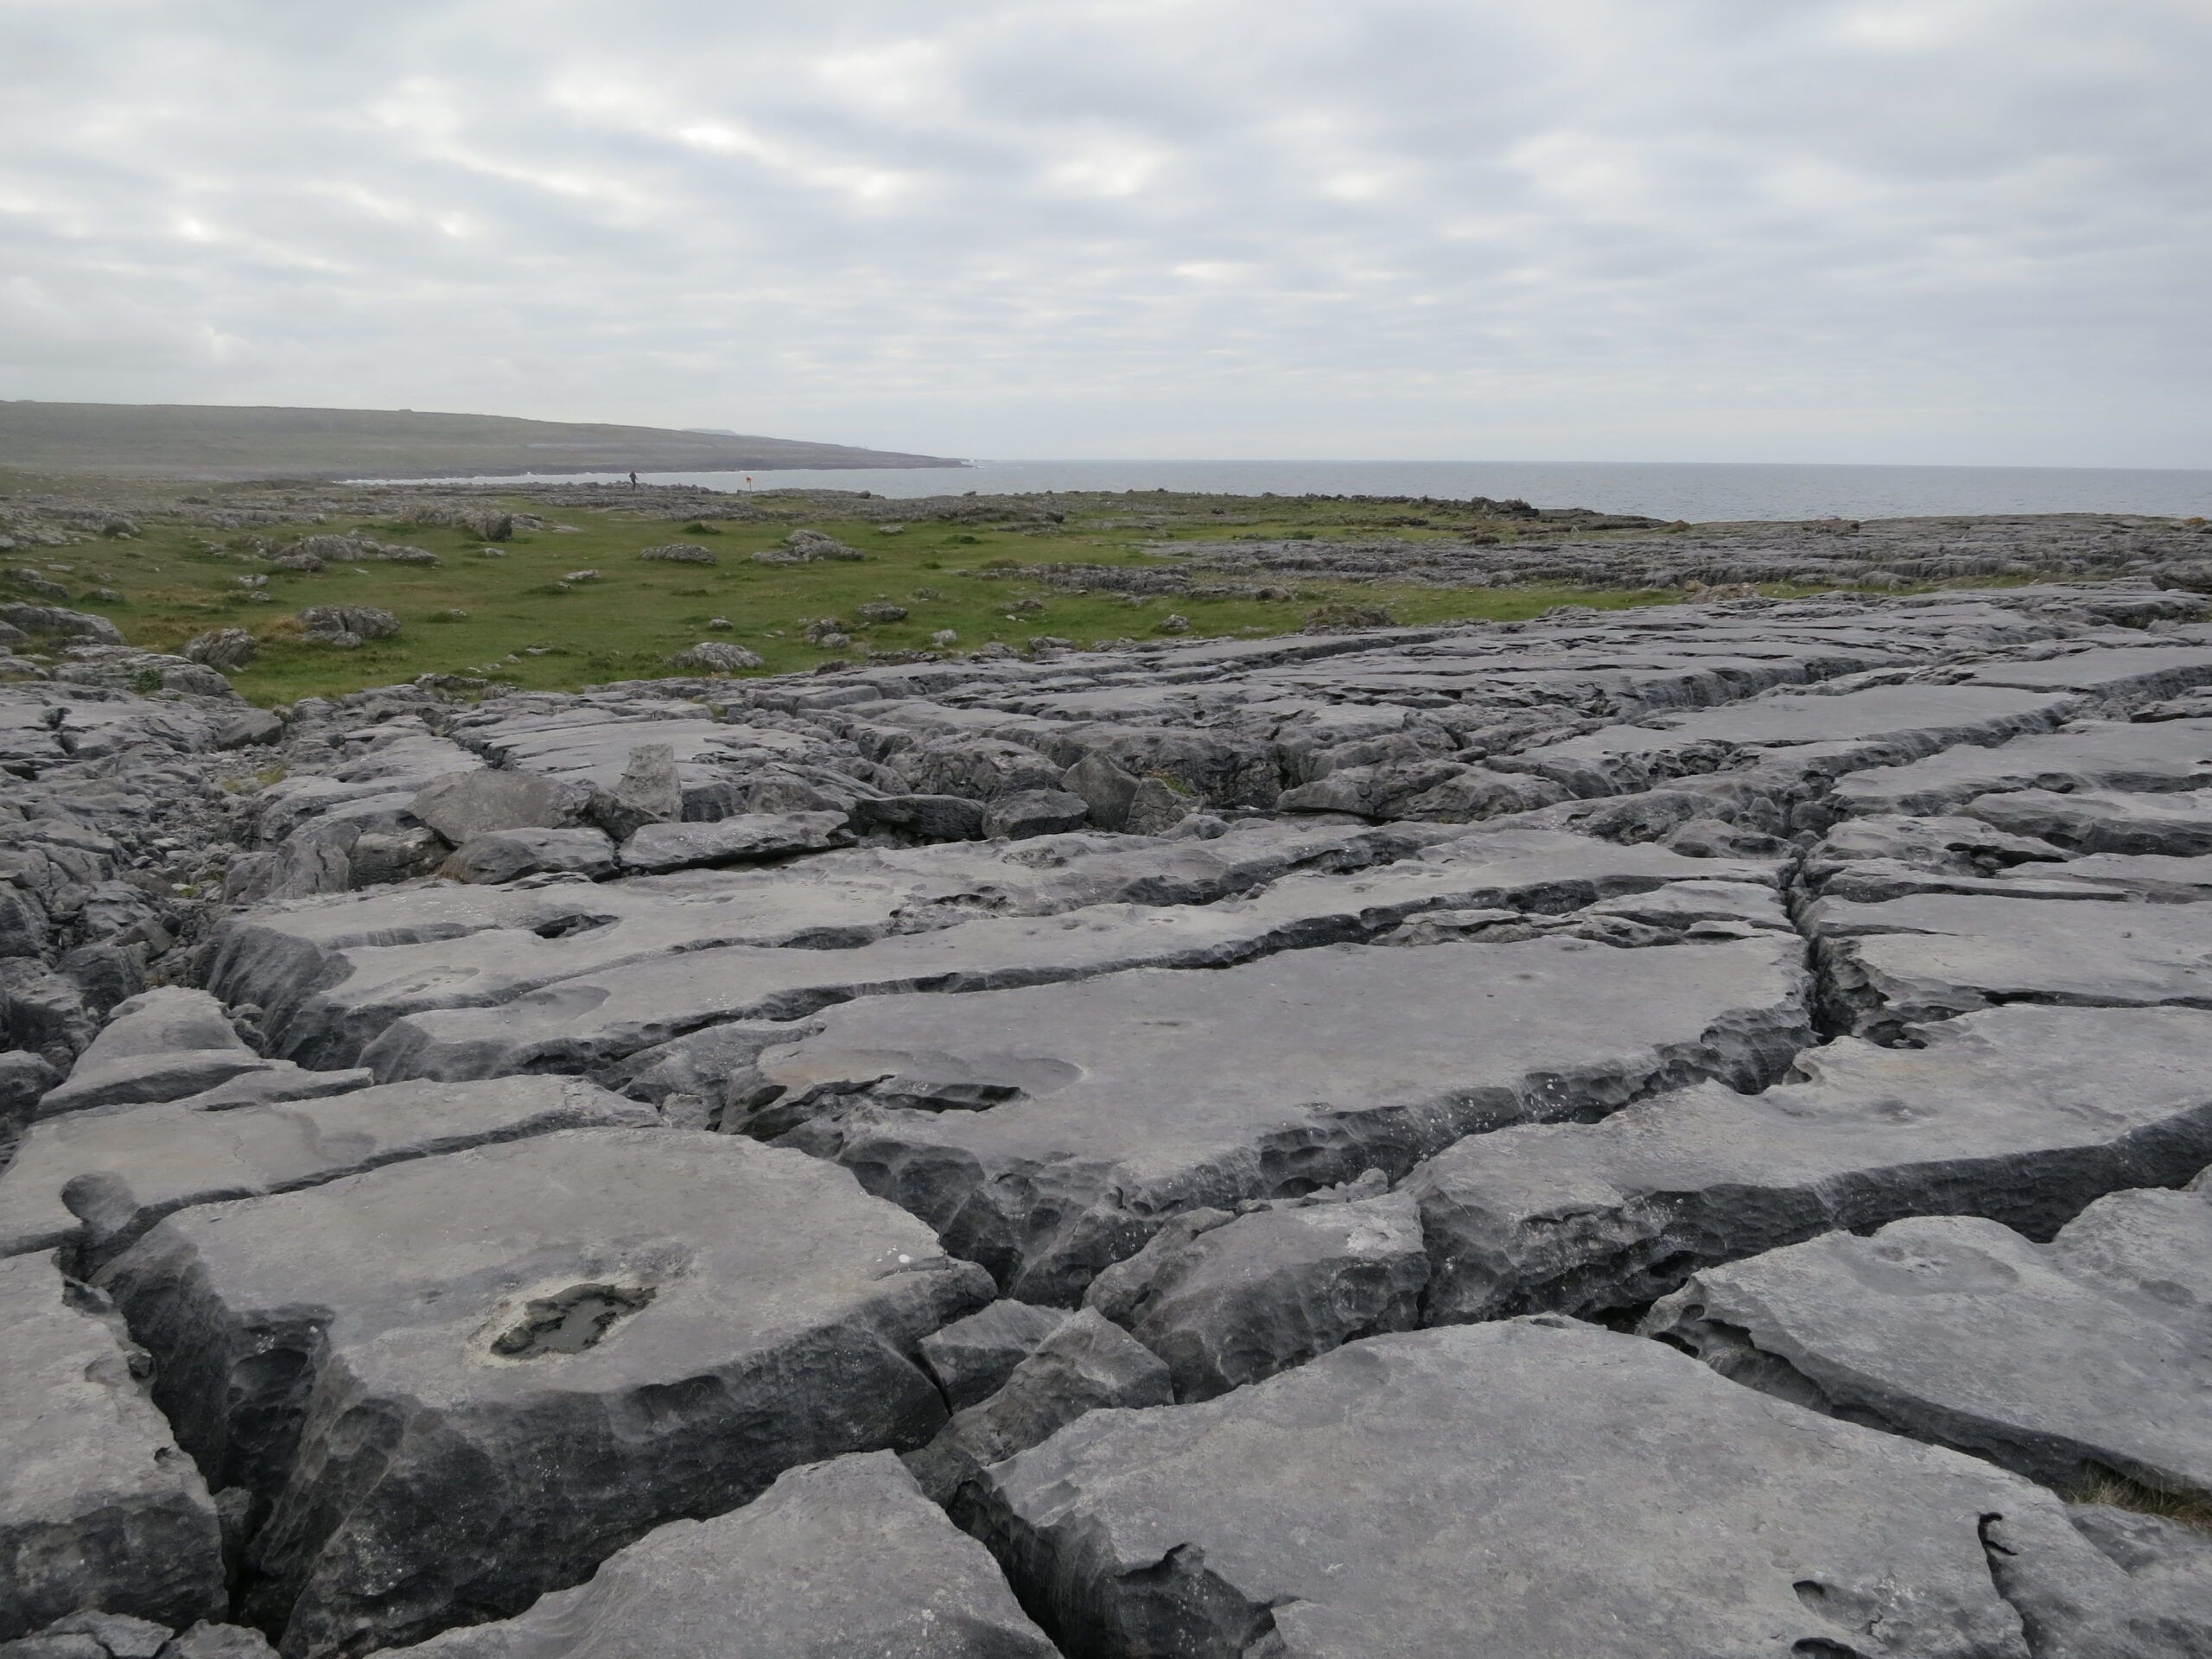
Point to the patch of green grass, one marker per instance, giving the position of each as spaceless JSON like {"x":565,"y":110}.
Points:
{"x":516,"y":623}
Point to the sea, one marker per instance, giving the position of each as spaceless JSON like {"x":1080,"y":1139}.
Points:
{"x":1697,"y":491}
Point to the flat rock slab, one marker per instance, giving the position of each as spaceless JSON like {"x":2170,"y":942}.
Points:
{"x":2024,"y":1115}
{"x":1837,"y":731}
{"x":463,"y":805}
{"x":2149,"y":671}
{"x":2173,"y":825}
{"x":160,"y":1044}
{"x":332,"y":974}
{"x":91,"y":1182}
{"x":1047,"y":1133}
{"x":593,"y":1019}
{"x":835,"y":1561}
{"x":2159,"y":755}
{"x":454,"y":1383}
{"x":1910,"y":960}
{"x":1526,"y":1487}
{"x":2067,"y":1362}
{"x":98,"y":1508}
{"x":658,"y":847}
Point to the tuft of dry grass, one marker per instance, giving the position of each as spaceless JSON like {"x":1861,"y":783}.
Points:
{"x":2122,"y":1493}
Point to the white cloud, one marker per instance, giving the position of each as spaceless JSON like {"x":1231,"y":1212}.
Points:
{"x":1838,"y":229}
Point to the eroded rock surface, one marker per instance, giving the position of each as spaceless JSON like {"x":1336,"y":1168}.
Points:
{"x":836,"y":1560}
{"x":455,"y":1382}
{"x":2068,"y":1361}
{"x":1525,"y":1488}
{"x":1182,"y":1061}
{"x":98,"y":1508}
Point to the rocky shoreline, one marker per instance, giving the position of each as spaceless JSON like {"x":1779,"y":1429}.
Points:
{"x":1667,"y":1131}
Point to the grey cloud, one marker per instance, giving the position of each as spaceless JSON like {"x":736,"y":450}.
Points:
{"x":1947,"y":230}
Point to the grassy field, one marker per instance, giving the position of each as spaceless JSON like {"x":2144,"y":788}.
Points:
{"x":508,"y":616}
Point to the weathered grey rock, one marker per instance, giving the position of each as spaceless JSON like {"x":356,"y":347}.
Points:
{"x":680,"y":553}
{"x":466,"y":804}
{"x":658,"y":847}
{"x":457,"y":1382}
{"x":1041,"y":1140}
{"x":1106,"y":790}
{"x":242,"y":731}
{"x":805,"y":547}
{"x":91,"y":1182}
{"x":508,"y":855}
{"x":2169,"y":1564}
{"x":972,"y":1357}
{"x":877,"y":610}
{"x":979,"y":768}
{"x":1811,"y":734}
{"x":1083,"y":1364}
{"x":2174,"y":825}
{"x":717,"y":656}
{"x":161,"y":1045}
{"x":1035,"y":812}
{"x":98,"y":1508}
{"x":2064,"y":1361}
{"x":2024,"y":1115}
{"x":2145,"y":668}
{"x":1931,"y":956}
{"x":205,"y":1640}
{"x":835,"y":1561}
{"x":586,"y":1015}
{"x":1529,"y":1487}
{"x":23,"y":1077}
{"x":53,"y":618}
{"x":925,"y":817}
{"x":1247,"y":1296}
{"x":2171,"y":754}
{"x":400,"y":857}
{"x":125,"y":668}
{"x":224,"y":648}
{"x":1155,"y":808}
{"x":93,"y":1636}
{"x":347,"y":625}
{"x":648,"y":792}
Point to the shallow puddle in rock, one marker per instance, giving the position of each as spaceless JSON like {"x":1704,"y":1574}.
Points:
{"x":570,"y":1322}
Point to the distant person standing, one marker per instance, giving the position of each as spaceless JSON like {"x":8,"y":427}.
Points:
{"x":634,"y":477}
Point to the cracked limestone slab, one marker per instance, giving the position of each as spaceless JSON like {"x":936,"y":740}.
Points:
{"x":91,"y":1182}
{"x":1534,"y":1487}
{"x":99,"y":1507}
{"x":454,"y":1383}
{"x":334,"y":974}
{"x":593,"y":1020}
{"x":2084,"y":1358}
{"x":2024,"y":1115}
{"x":2144,"y":670}
{"x":658,"y":847}
{"x":1048,"y":1133}
{"x":160,"y":1044}
{"x":1908,"y":960}
{"x":2176,"y":825}
{"x":835,"y":1561}
{"x":2138,"y":756}
{"x":1834,"y":731}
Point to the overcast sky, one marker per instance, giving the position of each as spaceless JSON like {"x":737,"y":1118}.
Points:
{"x":1975,"y":231}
